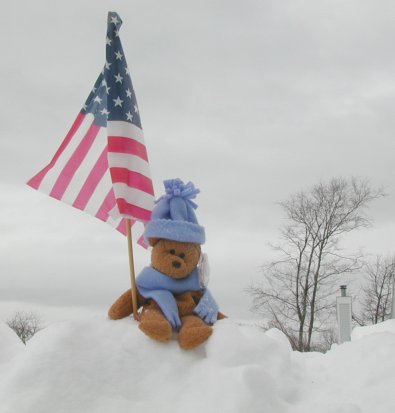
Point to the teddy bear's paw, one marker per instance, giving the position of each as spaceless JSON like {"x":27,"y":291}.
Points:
{"x":193,"y":332}
{"x":156,"y":329}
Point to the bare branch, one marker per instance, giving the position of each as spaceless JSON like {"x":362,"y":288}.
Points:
{"x":25,"y":325}
{"x":298,"y":290}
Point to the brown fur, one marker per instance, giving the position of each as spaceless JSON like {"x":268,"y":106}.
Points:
{"x":153,"y":323}
{"x":166,"y":252}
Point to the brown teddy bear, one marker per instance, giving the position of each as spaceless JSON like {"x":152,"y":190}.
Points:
{"x":172,"y":291}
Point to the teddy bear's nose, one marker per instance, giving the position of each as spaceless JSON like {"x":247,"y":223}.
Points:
{"x":176,"y":264}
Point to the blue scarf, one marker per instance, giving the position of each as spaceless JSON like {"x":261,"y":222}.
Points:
{"x":160,"y":287}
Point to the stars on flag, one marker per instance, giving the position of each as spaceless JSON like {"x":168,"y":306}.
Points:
{"x":104,"y":83}
{"x":113,"y":97}
{"x":105,"y":112}
{"x":118,"y":78}
{"x":118,"y":102}
{"x":114,"y":20}
{"x":110,"y":104}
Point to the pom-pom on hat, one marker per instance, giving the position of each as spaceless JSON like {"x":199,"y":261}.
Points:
{"x":174,"y":216}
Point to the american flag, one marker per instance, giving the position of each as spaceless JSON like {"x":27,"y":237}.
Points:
{"x":102,"y":166}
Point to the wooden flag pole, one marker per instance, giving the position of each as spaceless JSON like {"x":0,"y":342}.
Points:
{"x":131,"y":268}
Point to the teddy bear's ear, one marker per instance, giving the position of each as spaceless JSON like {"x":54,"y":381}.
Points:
{"x":153,"y":241}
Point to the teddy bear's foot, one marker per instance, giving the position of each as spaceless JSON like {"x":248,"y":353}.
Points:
{"x":154,"y":324}
{"x":193,"y":332}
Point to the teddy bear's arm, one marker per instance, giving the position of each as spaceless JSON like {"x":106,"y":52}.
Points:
{"x":123,"y":307}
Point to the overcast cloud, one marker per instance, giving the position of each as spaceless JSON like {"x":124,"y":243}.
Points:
{"x":251,"y":100}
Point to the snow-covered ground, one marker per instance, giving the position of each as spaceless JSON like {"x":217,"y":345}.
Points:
{"x":97,"y":365}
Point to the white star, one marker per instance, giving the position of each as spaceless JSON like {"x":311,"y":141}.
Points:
{"x":108,"y":90}
{"x":93,"y":90}
{"x":118,"y":55}
{"x":127,"y":70}
{"x":108,"y":41}
{"x":114,"y":19}
{"x":105,"y":112}
{"x":116,"y":33}
{"x":118,"y":78}
{"x":136,"y":109}
{"x":104,"y":82}
{"x":129,"y":116}
{"x":128,"y":93}
{"x":118,"y":102}
{"x":108,"y":65}
{"x":97,"y":99}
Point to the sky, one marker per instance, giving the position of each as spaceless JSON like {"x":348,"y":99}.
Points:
{"x":250,"y":100}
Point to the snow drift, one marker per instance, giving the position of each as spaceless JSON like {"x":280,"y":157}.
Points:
{"x":98,"y":365}
{"x":10,"y":344}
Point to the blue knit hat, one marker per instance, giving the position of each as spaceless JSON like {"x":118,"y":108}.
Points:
{"x":174,"y":217}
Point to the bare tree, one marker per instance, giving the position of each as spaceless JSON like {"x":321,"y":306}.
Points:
{"x":377,"y":292}
{"x":297,"y":292}
{"x":327,"y":337}
{"x":25,"y":325}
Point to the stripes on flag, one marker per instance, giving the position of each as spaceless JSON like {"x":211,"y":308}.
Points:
{"x":132,"y":184}
{"x":80,"y":177}
{"x":102,"y":166}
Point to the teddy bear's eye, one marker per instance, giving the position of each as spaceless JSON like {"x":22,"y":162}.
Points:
{"x":182,"y":255}
{"x":172,"y":252}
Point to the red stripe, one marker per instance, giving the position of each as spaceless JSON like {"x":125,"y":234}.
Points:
{"x":132,"y":179}
{"x":141,"y":241}
{"x":133,"y":210}
{"x":118,"y":144}
{"x":37,"y":179}
{"x":74,"y":162}
{"x":122,"y":227}
{"x":95,"y":176}
{"x":107,"y":205}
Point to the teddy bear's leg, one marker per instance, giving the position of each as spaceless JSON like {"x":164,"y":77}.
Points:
{"x":154,"y":324}
{"x":122,"y":307}
{"x":193,"y":332}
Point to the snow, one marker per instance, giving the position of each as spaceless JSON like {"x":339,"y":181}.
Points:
{"x":10,"y":344}
{"x":359,"y":332}
{"x":98,"y":365}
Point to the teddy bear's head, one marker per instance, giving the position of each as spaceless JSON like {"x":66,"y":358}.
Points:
{"x":173,"y":258}
{"x":174,"y":232}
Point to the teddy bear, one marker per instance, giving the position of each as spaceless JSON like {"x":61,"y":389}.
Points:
{"x":172,"y":292}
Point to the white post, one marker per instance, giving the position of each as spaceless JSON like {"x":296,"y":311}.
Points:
{"x":393,"y":297}
{"x":343,"y":310}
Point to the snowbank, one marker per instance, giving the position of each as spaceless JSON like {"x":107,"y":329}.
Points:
{"x":97,"y":365}
{"x":385,"y":327}
{"x":355,"y":377}
{"x":10,"y":344}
